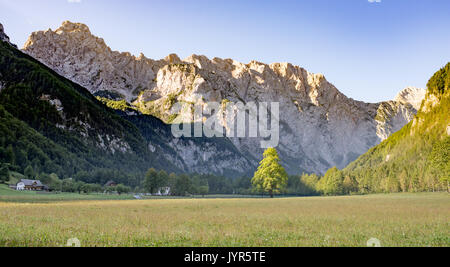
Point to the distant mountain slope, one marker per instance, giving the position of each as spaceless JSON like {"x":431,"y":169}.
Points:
{"x":320,"y":126}
{"x":84,"y":135}
{"x":405,"y":161}
{"x":68,"y":115}
{"x":20,"y":146}
{"x":200,"y":155}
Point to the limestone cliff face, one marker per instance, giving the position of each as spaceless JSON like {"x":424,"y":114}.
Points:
{"x":75,"y":53}
{"x":393,"y":115}
{"x":320,"y":127}
{"x":411,"y":95}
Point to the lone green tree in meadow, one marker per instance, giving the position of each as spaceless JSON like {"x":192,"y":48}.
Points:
{"x":270,"y":177}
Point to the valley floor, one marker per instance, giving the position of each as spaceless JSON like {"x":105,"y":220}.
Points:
{"x":396,"y":220}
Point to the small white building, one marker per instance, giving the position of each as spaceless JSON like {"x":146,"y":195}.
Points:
{"x":20,"y":186}
{"x":163,"y":191}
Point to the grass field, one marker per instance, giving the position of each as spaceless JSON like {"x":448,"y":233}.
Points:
{"x":396,"y":220}
{"x":9,"y":195}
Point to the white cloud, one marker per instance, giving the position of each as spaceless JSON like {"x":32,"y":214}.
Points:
{"x":370,"y":1}
{"x":79,"y":1}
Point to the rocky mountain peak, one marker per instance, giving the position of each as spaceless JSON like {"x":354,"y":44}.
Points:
{"x":4,"y":37}
{"x":68,"y":27}
{"x":411,"y":95}
{"x":172,"y":59}
{"x":320,"y":126}
{"x":68,"y":33}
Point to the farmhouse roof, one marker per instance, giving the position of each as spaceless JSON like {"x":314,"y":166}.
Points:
{"x":109,"y":183}
{"x":31,"y":182}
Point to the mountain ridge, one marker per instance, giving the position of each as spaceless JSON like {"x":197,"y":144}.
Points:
{"x":4,"y":37}
{"x":71,"y":117}
{"x":320,"y":126}
{"x":406,"y":161}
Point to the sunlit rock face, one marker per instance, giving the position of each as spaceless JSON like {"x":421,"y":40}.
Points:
{"x":411,"y":95}
{"x":393,"y":115}
{"x":319,"y":126}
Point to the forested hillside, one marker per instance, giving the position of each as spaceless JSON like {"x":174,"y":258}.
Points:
{"x":53,"y":125}
{"x":56,"y":126}
{"x":415,"y":159}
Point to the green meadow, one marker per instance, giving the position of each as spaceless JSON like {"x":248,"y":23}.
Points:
{"x":420,"y":219}
{"x":8,"y":195}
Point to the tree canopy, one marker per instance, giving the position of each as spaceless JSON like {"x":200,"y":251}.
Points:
{"x":440,"y":160}
{"x":270,"y":177}
{"x":154,"y":180}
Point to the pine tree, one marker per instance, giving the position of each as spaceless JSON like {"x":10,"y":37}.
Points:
{"x":332,"y":183}
{"x":29,"y":172}
{"x":440,"y":161}
{"x":10,"y":156}
{"x":4,"y":173}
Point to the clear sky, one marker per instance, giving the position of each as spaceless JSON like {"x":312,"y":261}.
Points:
{"x":369,"y":49}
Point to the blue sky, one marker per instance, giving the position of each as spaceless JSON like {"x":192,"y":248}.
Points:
{"x":369,"y":50}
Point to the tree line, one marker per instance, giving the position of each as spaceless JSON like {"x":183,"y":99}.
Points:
{"x":270,"y":179}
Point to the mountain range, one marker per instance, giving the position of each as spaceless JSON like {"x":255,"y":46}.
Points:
{"x":320,"y":126}
{"x":57,"y":126}
{"x":416,"y":158}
